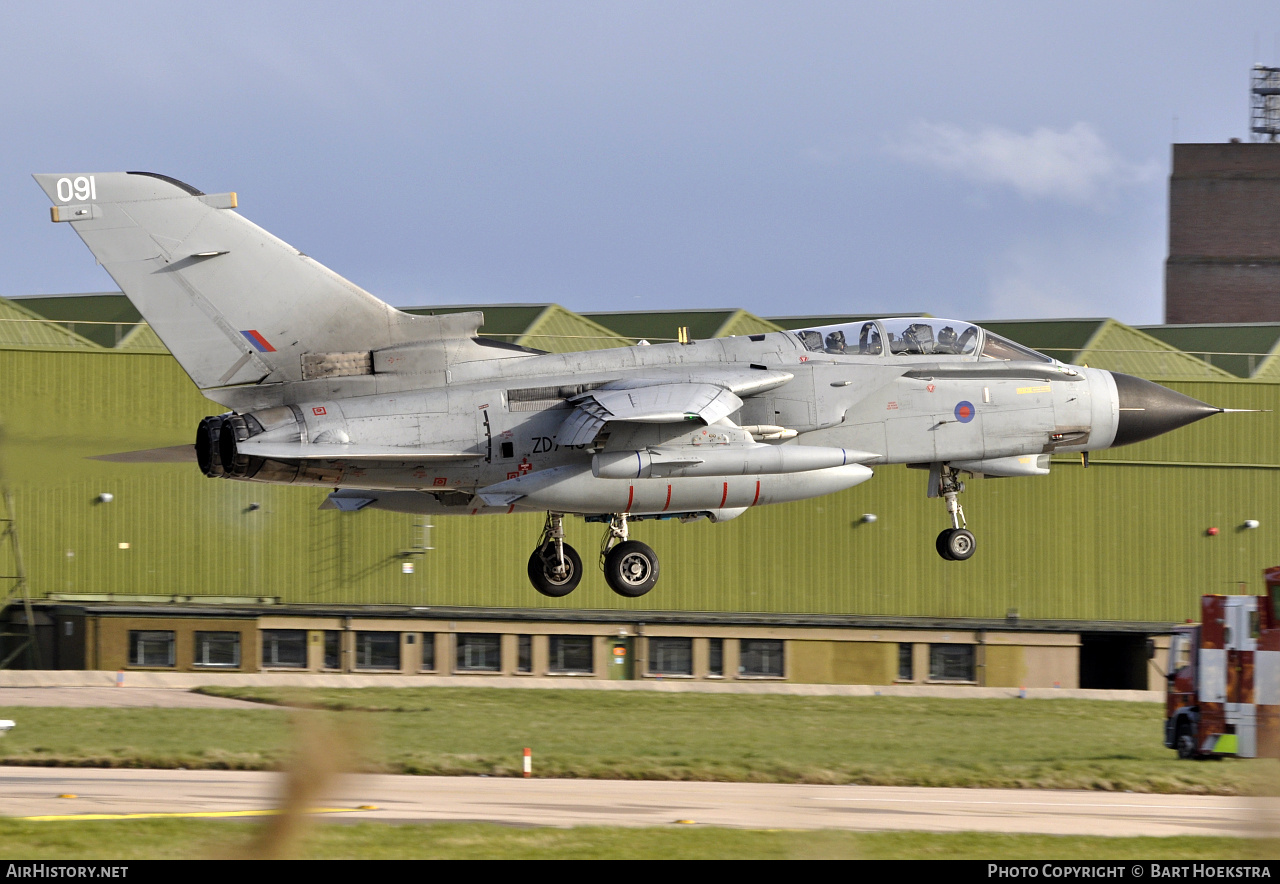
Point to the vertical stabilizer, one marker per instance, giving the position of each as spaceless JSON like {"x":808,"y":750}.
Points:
{"x":234,"y":304}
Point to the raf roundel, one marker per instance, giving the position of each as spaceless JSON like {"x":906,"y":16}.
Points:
{"x":965,"y":411}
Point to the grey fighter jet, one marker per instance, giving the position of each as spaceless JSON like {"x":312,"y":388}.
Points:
{"x":329,"y":386}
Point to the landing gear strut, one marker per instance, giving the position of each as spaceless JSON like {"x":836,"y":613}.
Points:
{"x":555,"y":569}
{"x":955,"y":543}
{"x":630,"y":567}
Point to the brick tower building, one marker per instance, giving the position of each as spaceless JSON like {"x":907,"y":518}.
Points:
{"x":1224,"y":234}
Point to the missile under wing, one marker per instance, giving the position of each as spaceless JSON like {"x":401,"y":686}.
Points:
{"x":326,"y":385}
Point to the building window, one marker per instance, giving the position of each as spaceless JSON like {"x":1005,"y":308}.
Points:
{"x":715,"y":656}
{"x":377,"y":650}
{"x":906,"y":666}
{"x":951,"y":663}
{"x":524,"y":653}
{"x":760,"y":658}
{"x":479,"y":652}
{"x":571,"y":653}
{"x":218,"y":649}
{"x":332,"y":649}
{"x":285,"y":648}
{"x":151,"y":647}
{"x":428,"y":651}
{"x":671,"y":656}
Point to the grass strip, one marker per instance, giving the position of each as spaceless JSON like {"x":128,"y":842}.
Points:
{"x":894,"y":741}
{"x":198,"y":839}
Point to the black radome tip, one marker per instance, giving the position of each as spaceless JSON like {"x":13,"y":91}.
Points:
{"x":1148,"y":409}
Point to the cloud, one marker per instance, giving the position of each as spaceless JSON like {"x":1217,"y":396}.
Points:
{"x":1074,"y":165}
{"x":1027,"y":281}
{"x":1098,"y":273}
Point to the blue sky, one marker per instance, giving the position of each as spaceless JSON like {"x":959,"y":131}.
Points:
{"x":978,"y":160}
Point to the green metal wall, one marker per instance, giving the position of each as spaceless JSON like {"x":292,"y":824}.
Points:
{"x":1124,"y":540}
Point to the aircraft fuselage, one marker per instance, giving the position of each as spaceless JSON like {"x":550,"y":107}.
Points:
{"x":508,"y":413}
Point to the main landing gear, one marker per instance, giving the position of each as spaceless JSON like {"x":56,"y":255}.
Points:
{"x":630,"y":567}
{"x":955,"y":543}
{"x":555,"y":568}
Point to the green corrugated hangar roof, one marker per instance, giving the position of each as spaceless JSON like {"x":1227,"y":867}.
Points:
{"x":655,"y":326}
{"x":1060,"y":338}
{"x":105,"y":318}
{"x":1242,"y":349}
{"x":142,"y":338}
{"x":541,"y":326}
{"x":1105,"y":343}
{"x":23,"y":327}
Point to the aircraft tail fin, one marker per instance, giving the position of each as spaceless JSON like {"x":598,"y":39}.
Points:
{"x":234,"y":304}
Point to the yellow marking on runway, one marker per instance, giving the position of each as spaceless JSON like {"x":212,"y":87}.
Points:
{"x":209,"y":814}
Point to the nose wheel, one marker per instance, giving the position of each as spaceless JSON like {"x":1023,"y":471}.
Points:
{"x":555,"y":568}
{"x":630,"y":567}
{"x":956,"y":543}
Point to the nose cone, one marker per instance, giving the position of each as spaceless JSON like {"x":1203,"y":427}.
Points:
{"x":1148,"y":409}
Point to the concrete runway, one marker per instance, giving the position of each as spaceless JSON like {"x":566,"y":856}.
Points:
{"x":535,"y":802}
{"x":34,"y":792}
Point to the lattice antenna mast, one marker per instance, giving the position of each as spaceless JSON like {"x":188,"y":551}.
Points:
{"x":14,"y":641}
{"x":1264,"y":117}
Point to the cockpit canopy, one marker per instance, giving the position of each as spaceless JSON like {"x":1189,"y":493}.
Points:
{"x":915,"y":336}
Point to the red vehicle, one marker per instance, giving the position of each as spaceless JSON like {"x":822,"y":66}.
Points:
{"x":1224,"y":678}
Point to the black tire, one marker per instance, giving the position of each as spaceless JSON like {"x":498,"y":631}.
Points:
{"x":631,"y":569}
{"x":960,"y":545}
{"x":1184,"y":741}
{"x":542,"y":570}
{"x":941,"y":544}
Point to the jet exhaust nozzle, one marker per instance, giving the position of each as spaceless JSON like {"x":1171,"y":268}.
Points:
{"x":1147,"y":409}
{"x":208,"y":451}
{"x":237,"y":428}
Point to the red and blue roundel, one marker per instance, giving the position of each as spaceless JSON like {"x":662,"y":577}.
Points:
{"x":965,"y":411}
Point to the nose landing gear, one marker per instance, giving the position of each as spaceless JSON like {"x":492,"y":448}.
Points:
{"x":955,"y":543}
{"x":630,"y":567}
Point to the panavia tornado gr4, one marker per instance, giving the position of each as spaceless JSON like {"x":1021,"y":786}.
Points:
{"x":329,"y":386}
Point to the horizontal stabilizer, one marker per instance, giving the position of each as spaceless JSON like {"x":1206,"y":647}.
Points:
{"x":172,"y":454}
